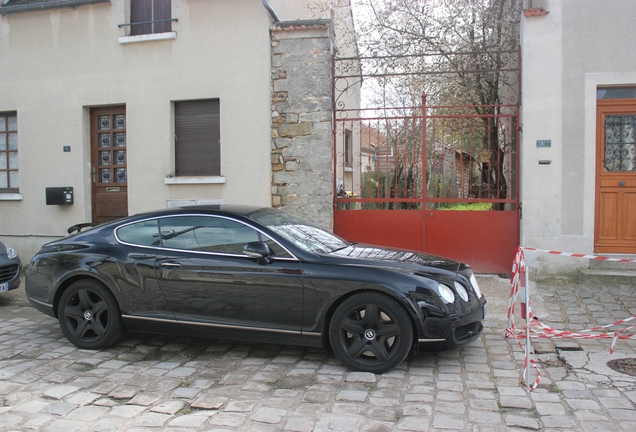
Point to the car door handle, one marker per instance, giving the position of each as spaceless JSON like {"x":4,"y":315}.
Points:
{"x":140,"y":256}
{"x":169,"y":264}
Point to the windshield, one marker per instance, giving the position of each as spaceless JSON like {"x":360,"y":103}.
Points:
{"x":301,"y":233}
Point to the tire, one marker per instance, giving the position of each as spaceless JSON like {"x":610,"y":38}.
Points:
{"x":89,"y":315}
{"x":371,"y":332}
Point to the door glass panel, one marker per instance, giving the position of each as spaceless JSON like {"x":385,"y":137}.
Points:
{"x":120,"y":121}
{"x":104,"y":158}
{"x":120,"y":157}
{"x":3,"y":180}
{"x":120,"y":139}
{"x":3,"y":140}
{"x":104,"y":176}
{"x":103,"y":122}
{"x":3,"y":124}
{"x":109,"y":139}
{"x":120,"y":175}
{"x":104,"y":140}
{"x":620,"y":143}
{"x":616,"y":93}
{"x":3,"y":161}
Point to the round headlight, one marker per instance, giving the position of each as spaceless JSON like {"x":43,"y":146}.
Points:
{"x":461,"y":291}
{"x":473,"y":281}
{"x":447,"y":294}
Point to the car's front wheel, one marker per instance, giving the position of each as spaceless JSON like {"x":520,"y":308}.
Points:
{"x":371,"y":332}
{"x":89,"y":315}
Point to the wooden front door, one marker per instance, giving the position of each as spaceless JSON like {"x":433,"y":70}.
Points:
{"x":108,"y":161}
{"x":615,"y":219}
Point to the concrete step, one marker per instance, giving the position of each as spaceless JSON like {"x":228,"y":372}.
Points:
{"x":608,"y":276}
{"x":612,"y":265}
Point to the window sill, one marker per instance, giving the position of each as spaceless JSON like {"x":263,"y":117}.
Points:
{"x":147,"y":37}
{"x":187,"y":202}
{"x":195,"y":180}
{"x":10,"y":197}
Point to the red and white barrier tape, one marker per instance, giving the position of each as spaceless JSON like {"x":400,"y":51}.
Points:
{"x":517,"y":282}
{"x":592,"y":257}
{"x":535,"y":328}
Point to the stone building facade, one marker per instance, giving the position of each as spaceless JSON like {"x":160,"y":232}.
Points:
{"x":302,"y":133}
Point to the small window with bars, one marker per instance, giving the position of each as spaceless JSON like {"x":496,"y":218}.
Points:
{"x":150,"y":16}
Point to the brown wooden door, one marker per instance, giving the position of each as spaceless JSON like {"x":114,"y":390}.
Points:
{"x":615,"y":219}
{"x":108,"y":160}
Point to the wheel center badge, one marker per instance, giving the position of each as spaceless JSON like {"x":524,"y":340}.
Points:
{"x":369,"y":334}
{"x":88,"y":315}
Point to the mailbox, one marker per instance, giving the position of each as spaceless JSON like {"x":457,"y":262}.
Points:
{"x":59,"y":195}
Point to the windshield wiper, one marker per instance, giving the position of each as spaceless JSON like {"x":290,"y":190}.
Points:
{"x":344,"y":247}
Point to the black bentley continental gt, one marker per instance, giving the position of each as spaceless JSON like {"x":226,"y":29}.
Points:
{"x":253,"y":274}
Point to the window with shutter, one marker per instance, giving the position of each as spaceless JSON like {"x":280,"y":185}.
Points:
{"x":153,"y":16}
{"x":197,"y":138}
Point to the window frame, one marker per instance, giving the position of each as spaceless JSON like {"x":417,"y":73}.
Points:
{"x":197,"y":146}
{"x":8,"y":151}
{"x":348,"y":150}
{"x":149,"y":17}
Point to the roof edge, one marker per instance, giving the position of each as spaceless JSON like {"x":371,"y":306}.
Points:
{"x":47,"y":5}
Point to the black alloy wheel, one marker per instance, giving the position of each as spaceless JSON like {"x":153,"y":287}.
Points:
{"x":371,"y":332}
{"x":89,"y":315}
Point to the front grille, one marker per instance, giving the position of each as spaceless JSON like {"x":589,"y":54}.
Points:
{"x":8,"y":272}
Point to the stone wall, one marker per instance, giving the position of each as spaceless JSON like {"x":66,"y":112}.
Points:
{"x":302,"y":138}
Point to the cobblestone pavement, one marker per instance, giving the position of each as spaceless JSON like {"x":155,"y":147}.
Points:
{"x":153,"y":383}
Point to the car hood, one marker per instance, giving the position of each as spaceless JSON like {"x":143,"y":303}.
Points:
{"x":380,"y":256}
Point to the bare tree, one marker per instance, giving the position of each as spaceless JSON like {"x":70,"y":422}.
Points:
{"x":458,"y":52}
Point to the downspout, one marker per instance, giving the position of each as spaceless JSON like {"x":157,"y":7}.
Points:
{"x":56,"y":4}
{"x":271,"y":11}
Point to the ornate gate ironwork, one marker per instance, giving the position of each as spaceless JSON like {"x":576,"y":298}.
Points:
{"x":440,"y":179}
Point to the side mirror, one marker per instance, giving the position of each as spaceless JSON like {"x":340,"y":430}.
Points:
{"x":258,"y":250}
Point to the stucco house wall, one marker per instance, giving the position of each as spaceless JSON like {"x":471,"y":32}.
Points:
{"x":57,"y":64}
{"x":567,"y":52}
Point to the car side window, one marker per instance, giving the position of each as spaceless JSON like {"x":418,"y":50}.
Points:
{"x":211,"y":234}
{"x":144,"y":233}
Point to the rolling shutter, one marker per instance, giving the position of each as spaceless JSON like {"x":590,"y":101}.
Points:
{"x":197,"y":138}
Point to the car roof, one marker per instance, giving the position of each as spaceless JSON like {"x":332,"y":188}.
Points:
{"x":242,"y":210}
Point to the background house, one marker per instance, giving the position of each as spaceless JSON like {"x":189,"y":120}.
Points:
{"x":188,"y":107}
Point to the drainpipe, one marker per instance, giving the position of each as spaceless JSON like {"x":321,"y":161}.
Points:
{"x":55,"y":4}
{"x":271,"y":11}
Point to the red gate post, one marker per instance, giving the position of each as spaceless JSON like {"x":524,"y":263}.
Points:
{"x":424,"y":167}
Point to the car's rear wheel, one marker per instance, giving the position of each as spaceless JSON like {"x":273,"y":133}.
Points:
{"x":371,"y":332}
{"x":89,"y":315}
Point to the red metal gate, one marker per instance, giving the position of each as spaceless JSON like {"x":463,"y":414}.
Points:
{"x":440,"y":179}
